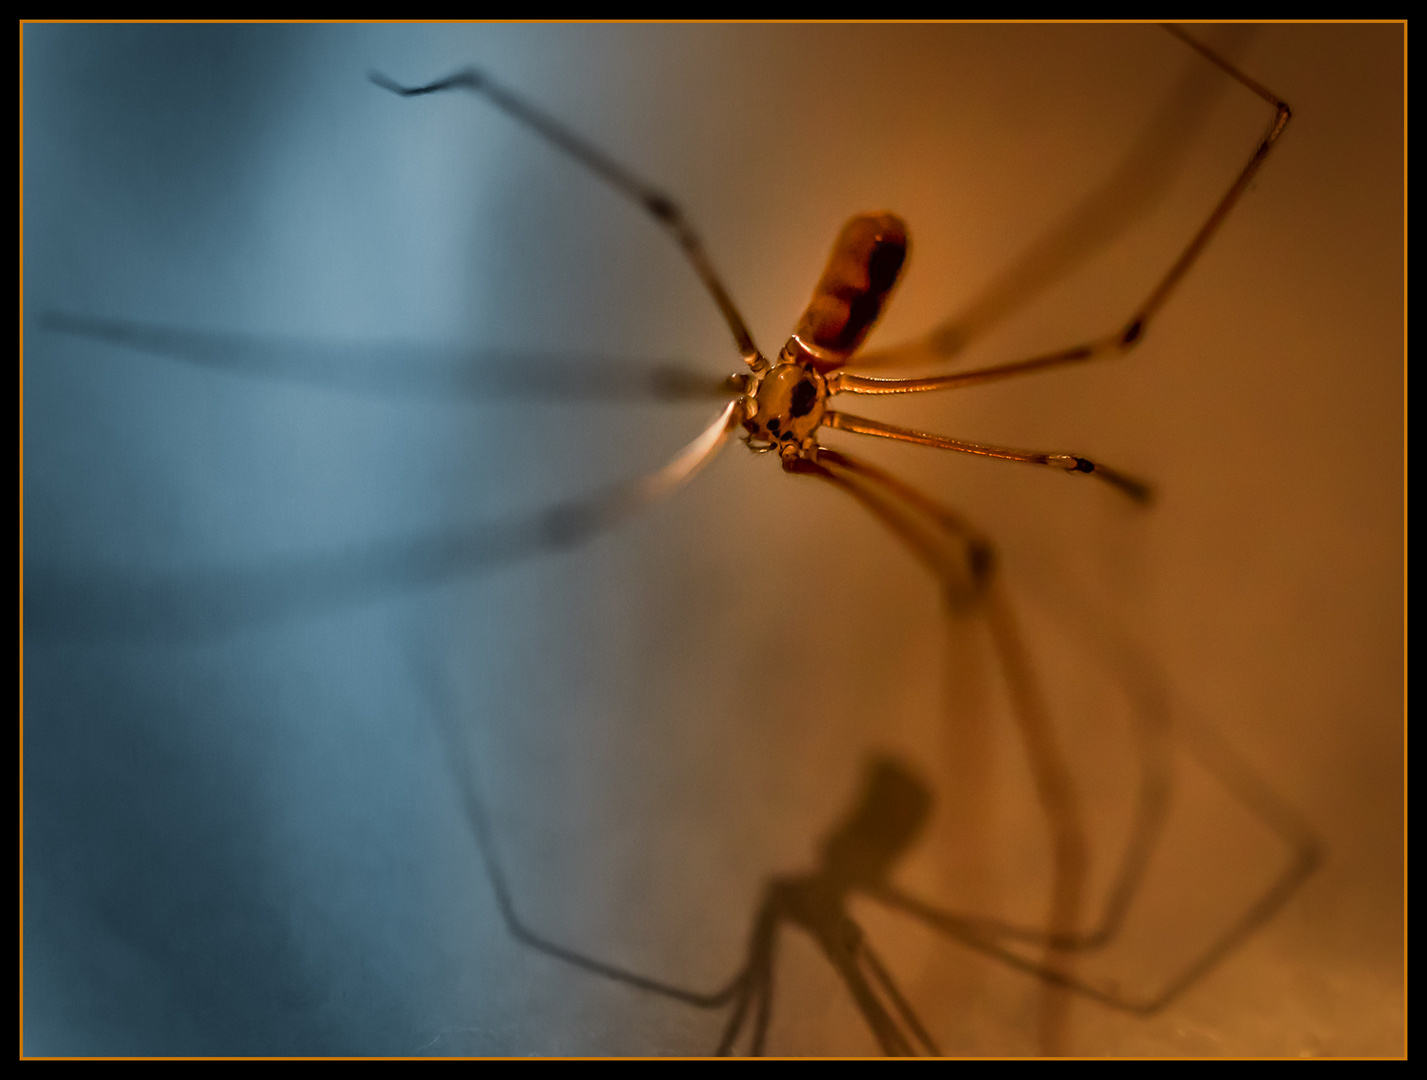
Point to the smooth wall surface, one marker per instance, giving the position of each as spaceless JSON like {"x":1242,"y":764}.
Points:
{"x":252,"y":834}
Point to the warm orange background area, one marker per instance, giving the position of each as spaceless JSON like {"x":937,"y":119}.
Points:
{"x":666,"y":718}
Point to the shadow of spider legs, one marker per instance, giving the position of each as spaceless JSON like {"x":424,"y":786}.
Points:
{"x":860,"y":856}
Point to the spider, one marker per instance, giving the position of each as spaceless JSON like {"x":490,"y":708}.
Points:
{"x":782,"y":405}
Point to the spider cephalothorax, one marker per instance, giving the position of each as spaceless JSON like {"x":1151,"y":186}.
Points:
{"x":785,"y":407}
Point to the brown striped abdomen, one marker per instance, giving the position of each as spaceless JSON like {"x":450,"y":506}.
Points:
{"x":866,"y":261}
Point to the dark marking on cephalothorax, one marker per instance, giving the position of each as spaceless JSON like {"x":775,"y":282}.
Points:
{"x":805,"y":396}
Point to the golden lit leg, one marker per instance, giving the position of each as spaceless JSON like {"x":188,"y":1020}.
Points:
{"x":1132,"y":332}
{"x":1070,"y":463}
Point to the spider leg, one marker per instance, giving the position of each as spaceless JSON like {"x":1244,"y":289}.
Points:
{"x":665,"y":211}
{"x":963,"y":564}
{"x":206,"y":602}
{"x":1132,"y":332}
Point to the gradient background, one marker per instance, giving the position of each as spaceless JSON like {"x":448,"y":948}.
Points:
{"x":255,"y":842}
